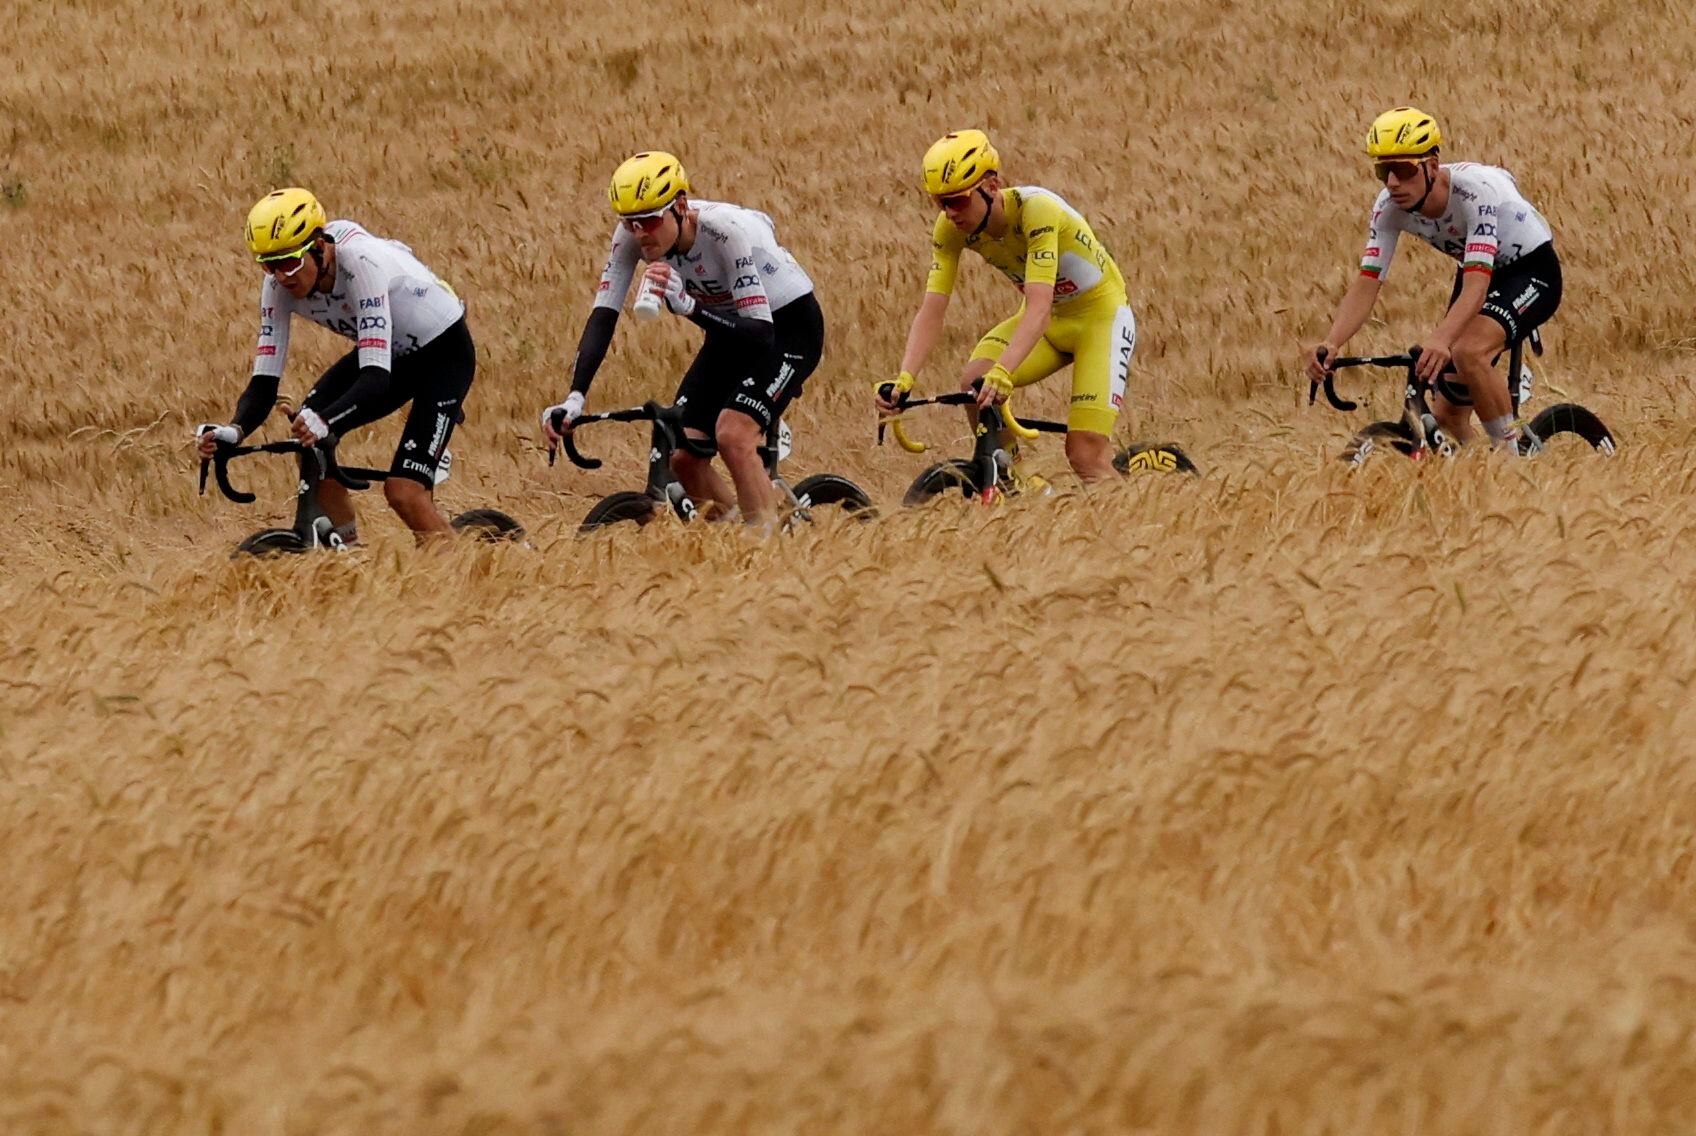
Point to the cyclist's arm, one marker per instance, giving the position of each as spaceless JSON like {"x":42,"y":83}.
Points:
{"x":261,"y":393}
{"x":1032,"y":325}
{"x":926,"y":331}
{"x":374,"y":341}
{"x":603,"y":317}
{"x":1477,"y":266}
{"x":922,"y":337}
{"x":750,"y":317}
{"x":1381,"y":236}
{"x":1354,"y":310}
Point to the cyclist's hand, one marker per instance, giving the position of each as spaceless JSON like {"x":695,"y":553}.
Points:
{"x":207,"y":435}
{"x":308,"y":428}
{"x":997,"y":386}
{"x":1319,"y":359}
{"x":1434,"y":356}
{"x":669,"y":284}
{"x":891,"y":394}
{"x":564,"y":414}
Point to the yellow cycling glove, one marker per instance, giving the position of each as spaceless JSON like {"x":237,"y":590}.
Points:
{"x":894,"y":391}
{"x":1001,"y":379}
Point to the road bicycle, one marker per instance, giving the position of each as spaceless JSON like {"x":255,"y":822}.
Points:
{"x":312,"y":527}
{"x":664,"y":492}
{"x":992,"y":471}
{"x":1417,"y":433}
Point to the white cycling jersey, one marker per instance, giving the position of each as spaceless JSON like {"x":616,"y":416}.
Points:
{"x":1487,"y":225}
{"x":735,"y":266}
{"x":384,"y":299}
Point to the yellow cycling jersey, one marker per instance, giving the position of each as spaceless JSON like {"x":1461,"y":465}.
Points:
{"x":1047,"y":242}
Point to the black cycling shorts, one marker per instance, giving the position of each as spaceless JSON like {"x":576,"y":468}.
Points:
{"x":729,"y":373}
{"x":435,"y":379}
{"x":1522,"y":297}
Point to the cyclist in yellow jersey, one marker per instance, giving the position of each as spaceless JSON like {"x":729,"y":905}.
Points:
{"x":1074,"y":308}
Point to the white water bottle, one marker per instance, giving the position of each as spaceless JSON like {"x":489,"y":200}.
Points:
{"x":647,"y":305}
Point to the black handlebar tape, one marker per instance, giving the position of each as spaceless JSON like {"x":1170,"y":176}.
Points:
{"x":577,"y":459}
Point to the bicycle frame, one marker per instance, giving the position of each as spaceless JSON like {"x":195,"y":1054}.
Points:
{"x":666,"y":439}
{"x":317,"y":463}
{"x":991,"y":462}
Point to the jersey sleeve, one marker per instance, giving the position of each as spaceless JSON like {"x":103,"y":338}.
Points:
{"x":1381,"y":236}
{"x":274,"y":312}
{"x":945,"y":245}
{"x":1482,"y":240}
{"x":370,"y":295}
{"x":620,"y":270}
{"x":747,"y":287}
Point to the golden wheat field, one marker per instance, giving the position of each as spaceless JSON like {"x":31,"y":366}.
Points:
{"x":1282,"y":800}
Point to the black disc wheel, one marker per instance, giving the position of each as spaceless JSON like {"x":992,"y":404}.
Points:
{"x":271,"y":542}
{"x":1567,"y":418}
{"x":943,"y":478}
{"x":627,"y":505}
{"x":826,"y":490}
{"x":490,"y":525}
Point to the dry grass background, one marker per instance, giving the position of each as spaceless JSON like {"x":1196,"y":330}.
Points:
{"x":1281,"y":801}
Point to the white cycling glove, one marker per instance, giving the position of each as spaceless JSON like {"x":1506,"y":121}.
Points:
{"x":680,"y":302}
{"x":571,"y":408}
{"x":315,"y":425}
{"x":227,"y":434}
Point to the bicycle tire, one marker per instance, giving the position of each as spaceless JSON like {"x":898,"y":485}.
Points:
{"x":489,"y":525}
{"x":1161,"y":457}
{"x":956,"y":475}
{"x":1568,"y":418}
{"x":627,"y":505}
{"x":829,"y":489}
{"x":270,"y":542}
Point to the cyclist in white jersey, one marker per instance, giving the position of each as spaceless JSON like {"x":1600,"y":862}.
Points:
{"x":721,"y":267}
{"x":411,"y":344}
{"x":1508,"y":283}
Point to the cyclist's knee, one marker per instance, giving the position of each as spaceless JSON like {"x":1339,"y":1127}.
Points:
{"x":738,"y":435}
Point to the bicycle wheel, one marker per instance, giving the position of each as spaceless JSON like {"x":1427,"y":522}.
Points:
{"x":1165,"y":457}
{"x":953,"y":476}
{"x":1567,"y":418}
{"x":826,"y":489}
{"x":490,"y":525}
{"x":616,"y":508}
{"x":1397,"y":435}
{"x":270,"y":542}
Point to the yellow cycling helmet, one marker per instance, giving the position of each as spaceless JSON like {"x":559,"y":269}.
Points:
{"x":1406,"y":132}
{"x":283,"y":223}
{"x":958,"y":161}
{"x":647,"y":183}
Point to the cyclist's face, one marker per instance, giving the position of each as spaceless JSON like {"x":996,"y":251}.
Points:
{"x":1405,"y":180}
{"x":296,"y":276}
{"x":963,"y":210}
{"x":654,"y":235}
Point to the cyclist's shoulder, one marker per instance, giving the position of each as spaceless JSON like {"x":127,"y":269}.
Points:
{"x":1039,"y":202}
{"x":944,"y":234}
{"x":724,"y":219}
{"x":343,"y":231}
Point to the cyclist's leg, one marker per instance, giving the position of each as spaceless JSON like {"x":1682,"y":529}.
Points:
{"x":1521,"y":298}
{"x":1105,"y":338}
{"x":332,"y":496}
{"x":777,"y":379}
{"x":1045,"y":358}
{"x":438,"y":377}
{"x":701,"y":394}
